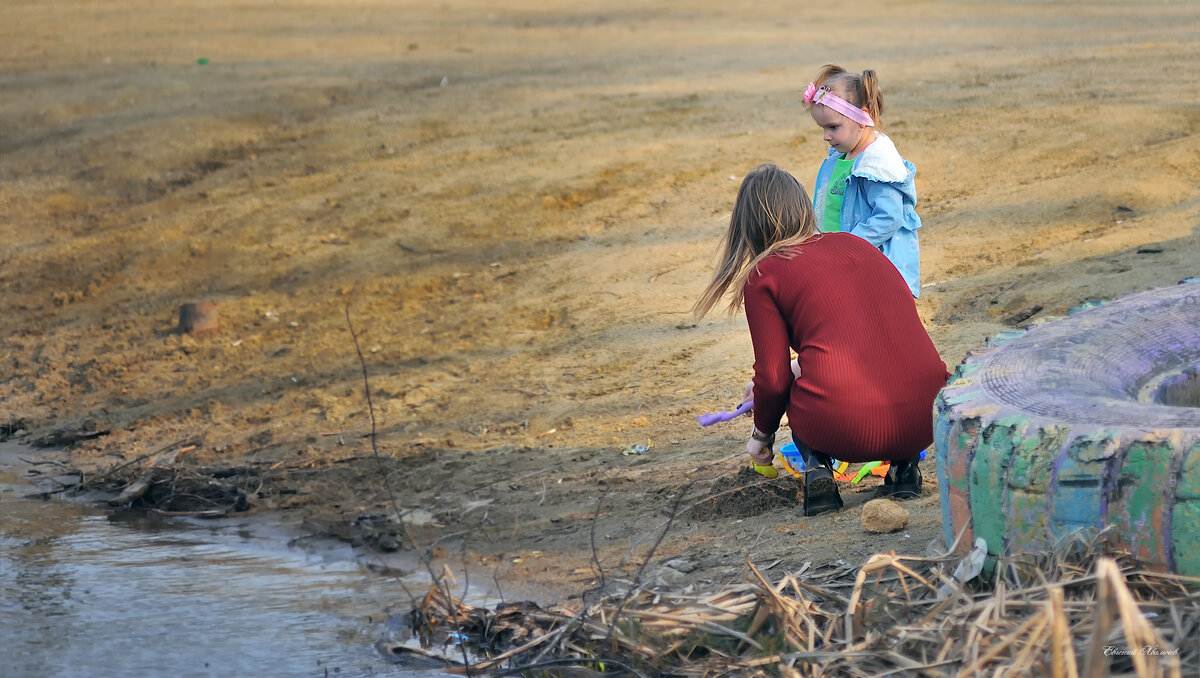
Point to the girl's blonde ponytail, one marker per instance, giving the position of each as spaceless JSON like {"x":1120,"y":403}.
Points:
{"x":872,"y":98}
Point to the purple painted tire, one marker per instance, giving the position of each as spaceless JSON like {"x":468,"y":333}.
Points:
{"x":1078,"y":425}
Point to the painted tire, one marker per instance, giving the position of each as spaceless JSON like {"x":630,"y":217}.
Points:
{"x":1076,"y":425}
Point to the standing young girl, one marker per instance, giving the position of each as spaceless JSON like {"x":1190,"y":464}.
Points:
{"x":863,"y":187}
{"x":869,"y":372}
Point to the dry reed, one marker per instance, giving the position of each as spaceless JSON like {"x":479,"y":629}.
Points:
{"x":1080,"y":613}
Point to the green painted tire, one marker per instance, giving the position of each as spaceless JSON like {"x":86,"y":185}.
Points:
{"x":1078,"y":425}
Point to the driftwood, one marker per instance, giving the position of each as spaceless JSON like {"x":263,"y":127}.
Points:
{"x":138,"y":488}
{"x":134,"y":490}
{"x":92,"y":481}
{"x":1076,"y":614}
{"x":157,"y":483}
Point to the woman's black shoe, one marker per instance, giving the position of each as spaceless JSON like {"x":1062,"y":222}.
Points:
{"x":820,"y":492}
{"x":903,"y":480}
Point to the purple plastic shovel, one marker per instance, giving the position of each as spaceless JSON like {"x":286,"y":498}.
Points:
{"x":717,"y":417}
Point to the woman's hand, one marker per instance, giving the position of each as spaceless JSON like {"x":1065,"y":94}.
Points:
{"x":748,"y":394}
{"x":759,"y":451}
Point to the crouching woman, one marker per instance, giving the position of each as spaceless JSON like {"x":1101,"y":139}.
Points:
{"x":868,"y":371}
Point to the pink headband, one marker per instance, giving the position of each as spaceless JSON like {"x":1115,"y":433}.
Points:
{"x":814,"y":96}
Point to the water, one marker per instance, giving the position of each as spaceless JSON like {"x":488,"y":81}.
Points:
{"x":83,"y":593}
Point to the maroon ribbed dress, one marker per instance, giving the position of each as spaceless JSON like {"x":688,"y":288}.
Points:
{"x":869,"y":371}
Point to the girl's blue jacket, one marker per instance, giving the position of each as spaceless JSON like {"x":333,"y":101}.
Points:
{"x":880,"y":205}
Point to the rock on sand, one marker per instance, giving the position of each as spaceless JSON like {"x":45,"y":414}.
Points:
{"x":884,"y":515}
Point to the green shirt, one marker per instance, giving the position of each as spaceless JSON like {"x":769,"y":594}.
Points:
{"x":831,"y":221}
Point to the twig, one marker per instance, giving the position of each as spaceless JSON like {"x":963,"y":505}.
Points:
{"x":362,"y":361}
{"x":1006,"y":288}
{"x":592,"y":542}
{"x":571,"y":661}
{"x":637,"y":577}
{"x":41,"y":463}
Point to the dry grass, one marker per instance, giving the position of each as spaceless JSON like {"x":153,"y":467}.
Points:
{"x":1077,"y":613}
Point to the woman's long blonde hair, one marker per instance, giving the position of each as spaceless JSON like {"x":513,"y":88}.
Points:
{"x":772,"y":212}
